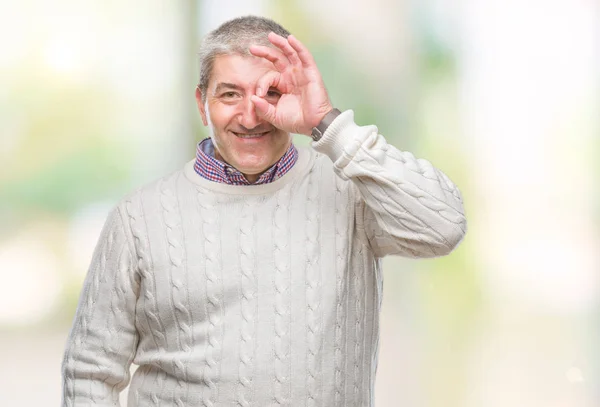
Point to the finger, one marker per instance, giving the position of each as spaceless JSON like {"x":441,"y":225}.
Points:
{"x":264,"y":109}
{"x":274,"y":55}
{"x":268,"y":80}
{"x":303,"y":52}
{"x":284,"y":45}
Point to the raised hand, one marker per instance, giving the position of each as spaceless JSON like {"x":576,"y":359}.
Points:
{"x":304,"y":101}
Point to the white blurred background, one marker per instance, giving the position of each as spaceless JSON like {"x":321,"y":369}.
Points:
{"x":97,"y":98}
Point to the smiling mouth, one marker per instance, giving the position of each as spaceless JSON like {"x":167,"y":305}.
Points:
{"x":254,"y":135}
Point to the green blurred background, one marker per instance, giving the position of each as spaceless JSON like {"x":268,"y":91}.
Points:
{"x":97,"y":98}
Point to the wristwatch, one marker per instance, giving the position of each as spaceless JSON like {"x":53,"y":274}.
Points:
{"x":317,"y":132}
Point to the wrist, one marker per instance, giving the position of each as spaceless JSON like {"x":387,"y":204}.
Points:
{"x":326,"y":111}
{"x":317,"y":119}
{"x":318,"y":131}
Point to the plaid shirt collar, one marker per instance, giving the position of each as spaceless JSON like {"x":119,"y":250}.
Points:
{"x":207,"y":166}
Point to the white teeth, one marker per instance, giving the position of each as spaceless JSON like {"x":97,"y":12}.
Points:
{"x":249,"y":135}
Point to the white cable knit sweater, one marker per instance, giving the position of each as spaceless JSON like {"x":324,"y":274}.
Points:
{"x":260,"y":295}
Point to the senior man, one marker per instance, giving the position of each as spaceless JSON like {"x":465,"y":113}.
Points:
{"x":252,"y":276}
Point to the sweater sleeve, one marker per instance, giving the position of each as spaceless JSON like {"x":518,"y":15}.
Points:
{"x":103,"y":338}
{"x":407,"y":207}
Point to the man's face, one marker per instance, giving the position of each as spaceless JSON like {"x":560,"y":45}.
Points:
{"x":240,"y":137}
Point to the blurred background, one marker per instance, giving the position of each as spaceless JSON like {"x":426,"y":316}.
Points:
{"x":97,"y":98}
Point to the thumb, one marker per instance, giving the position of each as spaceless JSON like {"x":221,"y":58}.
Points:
{"x":264,"y":109}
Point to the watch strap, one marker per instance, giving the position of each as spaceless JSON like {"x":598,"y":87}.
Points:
{"x":317,"y":132}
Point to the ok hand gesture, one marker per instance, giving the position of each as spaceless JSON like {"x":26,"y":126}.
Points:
{"x":304,"y":100}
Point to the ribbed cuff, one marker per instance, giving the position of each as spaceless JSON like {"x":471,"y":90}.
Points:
{"x":340,"y":135}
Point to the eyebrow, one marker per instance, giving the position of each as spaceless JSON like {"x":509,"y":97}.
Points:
{"x":225,"y":85}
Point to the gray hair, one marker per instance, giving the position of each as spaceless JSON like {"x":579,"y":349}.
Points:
{"x":234,"y":37}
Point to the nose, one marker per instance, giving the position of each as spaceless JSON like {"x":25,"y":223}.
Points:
{"x":248,"y":117}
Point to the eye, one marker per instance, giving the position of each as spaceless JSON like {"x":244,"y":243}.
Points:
{"x":273,"y":94}
{"x":229,"y":94}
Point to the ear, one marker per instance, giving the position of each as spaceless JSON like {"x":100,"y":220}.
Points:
{"x":201,"y":108}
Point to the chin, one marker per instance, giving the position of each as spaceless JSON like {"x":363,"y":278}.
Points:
{"x":252,"y":168}
{"x":253,"y":161}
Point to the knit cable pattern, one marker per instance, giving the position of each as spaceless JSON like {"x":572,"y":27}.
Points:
{"x":246,"y":367}
{"x":426,"y":170}
{"x":156,"y":326}
{"x":107,"y":347}
{"x":358,"y":325}
{"x":312,"y":288}
{"x":214,"y":307}
{"x":282,"y":314}
{"x":341,"y":253}
{"x":117,"y":314}
{"x":181,"y":313}
{"x":81,"y":333}
{"x":374,"y":161}
{"x":164,"y":285}
{"x":431,"y":197}
{"x":91,"y":302}
{"x":98,"y":347}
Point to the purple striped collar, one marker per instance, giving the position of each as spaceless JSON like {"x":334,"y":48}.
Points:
{"x":207,"y":166}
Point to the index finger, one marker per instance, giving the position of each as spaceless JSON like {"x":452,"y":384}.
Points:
{"x":305,"y":56}
{"x":272,"y":54}
{"x":284,"y":45}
